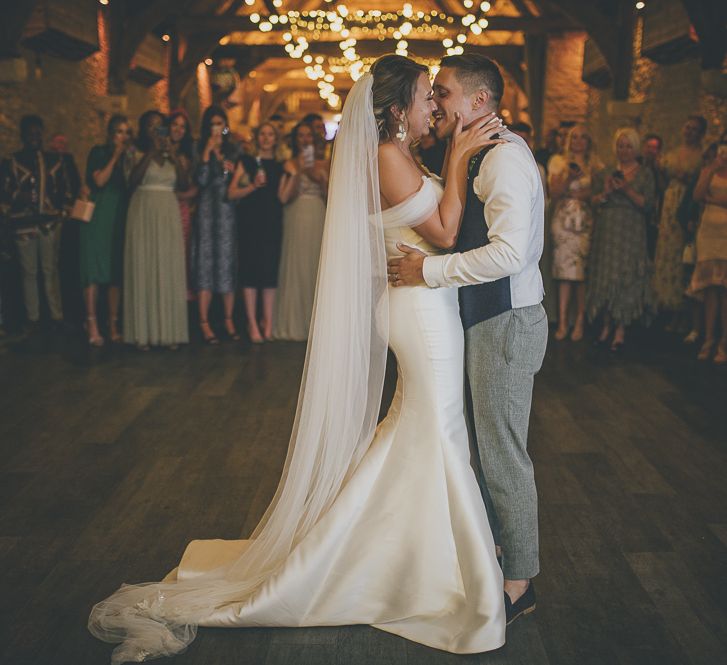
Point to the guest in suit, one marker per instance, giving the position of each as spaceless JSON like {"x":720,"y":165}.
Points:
{"x":34,"y":195}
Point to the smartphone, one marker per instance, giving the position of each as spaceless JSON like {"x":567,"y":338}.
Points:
{"x":309,"y":156}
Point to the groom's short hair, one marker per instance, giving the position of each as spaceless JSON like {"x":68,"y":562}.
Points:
{"x":475,"y":71}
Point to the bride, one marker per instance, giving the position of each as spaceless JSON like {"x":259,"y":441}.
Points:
{"x":382,"y":526}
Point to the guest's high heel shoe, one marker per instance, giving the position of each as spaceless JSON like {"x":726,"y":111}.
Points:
{"x":94,"y":339}
{"x":230,"y":329}
{"x":114,"y":334}
{"x":254,"y":333}
{"x":207,"y":334}
{"x":706,"y":350}
{"x":720,"y":358}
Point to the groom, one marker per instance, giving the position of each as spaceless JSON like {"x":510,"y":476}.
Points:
{"x":496,"y":263}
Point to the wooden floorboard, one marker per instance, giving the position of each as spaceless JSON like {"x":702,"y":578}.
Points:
{"x":112,"y":460}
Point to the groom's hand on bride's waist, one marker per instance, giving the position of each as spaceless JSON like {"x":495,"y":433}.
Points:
{"x":408,"y":269}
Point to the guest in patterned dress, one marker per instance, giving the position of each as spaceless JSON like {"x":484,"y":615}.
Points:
{"x":618,"y":282}
{"x":155,"y":306}
{"x":102,"y":239}
{"x":709,"y":281}
{"x":572,"y":224}
{"x":214,"y":248}
{"x":256,"y":182}
{"x":180,"y":133}
{"x":681,"y":166}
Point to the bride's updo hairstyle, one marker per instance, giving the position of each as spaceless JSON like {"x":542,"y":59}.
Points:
{"x":394,"y":84}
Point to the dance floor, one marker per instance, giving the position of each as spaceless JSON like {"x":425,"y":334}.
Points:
{"x":112,"y":460}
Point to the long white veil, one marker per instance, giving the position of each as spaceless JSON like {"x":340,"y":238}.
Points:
{"x":336,"y":416}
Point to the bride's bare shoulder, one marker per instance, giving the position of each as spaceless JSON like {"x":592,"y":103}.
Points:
{"x":398,"y":176}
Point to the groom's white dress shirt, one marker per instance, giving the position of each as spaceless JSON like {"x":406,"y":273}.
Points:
{"x":509,"y":186}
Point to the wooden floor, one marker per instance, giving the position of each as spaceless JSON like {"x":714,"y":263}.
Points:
{"x":112,"y":460}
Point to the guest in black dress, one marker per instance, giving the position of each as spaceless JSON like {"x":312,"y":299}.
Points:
{"x":255,"y":182}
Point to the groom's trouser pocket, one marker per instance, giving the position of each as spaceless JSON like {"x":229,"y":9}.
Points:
{"x":526,"y":338}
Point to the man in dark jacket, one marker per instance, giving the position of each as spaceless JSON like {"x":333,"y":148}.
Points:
{"x":34,"y":194}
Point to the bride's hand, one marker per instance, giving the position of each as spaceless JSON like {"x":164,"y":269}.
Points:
{"x":470,"y":141}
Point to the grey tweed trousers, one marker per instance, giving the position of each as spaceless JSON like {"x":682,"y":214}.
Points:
{"x":502,"y":356}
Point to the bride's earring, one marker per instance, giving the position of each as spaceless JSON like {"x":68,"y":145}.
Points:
{"x":401,"y":134}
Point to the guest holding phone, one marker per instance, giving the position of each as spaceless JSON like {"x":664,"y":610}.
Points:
{"x":155,"y":303}
{"x":618,"y":285}
{"x":302,"y":191}
{"x":180,"y":134}
{"x":572,"y":224}
{"x":709,"y":281}
{"x":214,"y":246}
{"x":255,"y":184}
{"x":102,"y":238}
{"x":682,"y":166}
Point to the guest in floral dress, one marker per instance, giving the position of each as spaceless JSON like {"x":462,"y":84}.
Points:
{"x":681,"y":166}
{"x":618,"y":283}
{"x":572,"y":224}
{"x":214,"y":249}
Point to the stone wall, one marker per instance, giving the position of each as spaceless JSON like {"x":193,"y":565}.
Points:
{"x":566,"y":95}
{"x":71,"y":98}
{"x":660,"y":98}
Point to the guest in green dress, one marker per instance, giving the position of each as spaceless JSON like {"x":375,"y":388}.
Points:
{"x":102,"y":238}
{"x":618,"y":281}
{"x":155,"y":289}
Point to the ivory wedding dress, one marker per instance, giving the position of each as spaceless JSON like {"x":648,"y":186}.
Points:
{"x":406,"y":546}
{"x":401,"y":540}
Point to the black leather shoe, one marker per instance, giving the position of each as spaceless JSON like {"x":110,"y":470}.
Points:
{"x":522,"y":606}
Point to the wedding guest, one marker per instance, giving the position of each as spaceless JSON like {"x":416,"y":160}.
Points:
{"x":302,"y":192}
{"x":34,"y":194}
{"x":322,"y":145}
{"x":68,"y":256}
{"x":180,"y":134}
{"x":618,"y":284}
{"x":550,"y":148}
{"x":709,"y":281}
{"x":282,"y":149}
{"x":569,"y":183}
{"x":155,"y":308}
{"x":681,"y":165}
{"x":256,"y":182}
{"x":651,"y":156}
{"x":102,"y":238}
{"x":214,"y":246}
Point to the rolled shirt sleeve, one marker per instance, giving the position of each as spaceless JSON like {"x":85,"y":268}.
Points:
{"x":505,"y":185}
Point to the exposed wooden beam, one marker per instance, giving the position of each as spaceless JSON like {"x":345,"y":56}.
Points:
{"x":710,"y":22}
{"x":128,"y":31}
{"x":613,"y":35}
{"x":528,"y":24}
{"x":15,"y":16}
{"x":536,"y":47}
{"x":198,"y":47}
